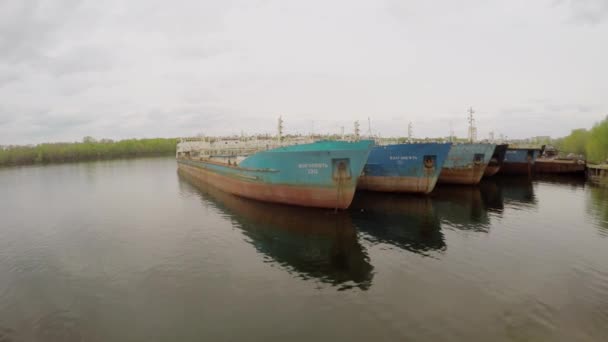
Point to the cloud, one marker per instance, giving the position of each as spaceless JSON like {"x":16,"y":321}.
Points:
{"x":8,"y":76}
{"x":592,"y":12}
{"x":115,"y":69}
{"x":5,"y":117}
{"x":29,"y":28}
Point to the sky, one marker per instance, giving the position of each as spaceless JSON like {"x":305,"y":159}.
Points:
{"x":150,"y":68}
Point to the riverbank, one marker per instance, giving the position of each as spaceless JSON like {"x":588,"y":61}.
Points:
{"x":89,"y":149}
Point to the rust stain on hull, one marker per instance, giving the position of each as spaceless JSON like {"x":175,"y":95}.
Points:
{"x":338,"y":197}
{"x":397,"y":184}
{"x":463,"y":176}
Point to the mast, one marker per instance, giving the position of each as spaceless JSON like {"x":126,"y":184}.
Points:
{"x":410,"y":131}
{"x":280,"y":130}
{"x":451,"y":131}
{"x":472,"y":128}
{"x":357,"y":131}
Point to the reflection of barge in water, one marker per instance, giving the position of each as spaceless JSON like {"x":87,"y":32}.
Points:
{"x":598,"y":173}
{"x":311,"y":243}
{"x":461,"y":207}
{"x":405,"y":221}
{"x":516,"y":191}
{"x":472,"y":208}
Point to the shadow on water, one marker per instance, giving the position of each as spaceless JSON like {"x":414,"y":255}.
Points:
{"x":462,"y":207}
{"x":414,"y":223}
{"x":407,"y":222}
{"x":323,"y":245}
{"x":573,"y":181}
{"x":516,"y":192}
{"x":310,"y":243}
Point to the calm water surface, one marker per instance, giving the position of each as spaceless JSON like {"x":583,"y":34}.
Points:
{"x":131,"y":251}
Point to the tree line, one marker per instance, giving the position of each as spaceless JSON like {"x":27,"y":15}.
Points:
{"x":592,"y":143}
{"x":88,"y":149}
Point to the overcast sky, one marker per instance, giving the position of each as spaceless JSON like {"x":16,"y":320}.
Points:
{"x":147,"y":68}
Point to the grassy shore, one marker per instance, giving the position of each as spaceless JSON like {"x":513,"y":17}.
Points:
{"x":89,"y":149}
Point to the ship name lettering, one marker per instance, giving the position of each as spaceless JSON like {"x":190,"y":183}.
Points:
{"x":313,"y":166}
{"x":403,"y":158}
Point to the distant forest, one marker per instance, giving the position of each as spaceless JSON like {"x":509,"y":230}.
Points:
{"x":88,"y":149}
{"x":592,"y":143}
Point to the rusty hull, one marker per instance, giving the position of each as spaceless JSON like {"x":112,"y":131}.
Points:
{"x":466,"y":163}
{"x":463,"y":176}
{"x":398,"y":184}
{"x":338,"y":197}
{"x":559,"y":166}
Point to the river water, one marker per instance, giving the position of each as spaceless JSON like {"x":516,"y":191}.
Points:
{"x":131,"y":251}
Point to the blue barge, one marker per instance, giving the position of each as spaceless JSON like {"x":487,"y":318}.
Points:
{"x":520,"y":161}
{"x":412,"y":168}
{"x":323,"y":174}
{"x":466,"y":163}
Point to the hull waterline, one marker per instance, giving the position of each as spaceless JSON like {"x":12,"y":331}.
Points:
{"x":322,"y":175}
{"x":408,"y":168}
{"x":520,"y":161}
{"x":557,"y":166}
{"x":466,"y":164}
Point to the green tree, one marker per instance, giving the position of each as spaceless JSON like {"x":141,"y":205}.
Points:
{"x":89,"y":149}
{"x":597,"y":144}
{"x":576,"y":142}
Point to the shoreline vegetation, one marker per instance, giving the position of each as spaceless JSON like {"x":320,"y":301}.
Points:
{"x":592,"y":143}
{"x":87,"y":150}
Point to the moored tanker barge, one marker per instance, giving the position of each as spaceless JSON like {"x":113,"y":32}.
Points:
{"x":466,"y":163}
{"x":412,"y":168}
{"x":520,"y":161}
{"x":560,"y":166}
{"x":322,"y":174}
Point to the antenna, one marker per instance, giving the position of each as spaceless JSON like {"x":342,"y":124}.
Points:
{"x":280,"y":129}
{"x":472,"y":128}
{"x":369,"y":127}
{"x":451,"y":131}
{"x":410,"y":130}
